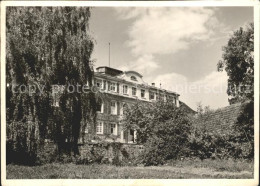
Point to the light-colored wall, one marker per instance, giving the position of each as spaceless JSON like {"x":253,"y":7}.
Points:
{"x":138,"y":90}
{"x":121,"y":98}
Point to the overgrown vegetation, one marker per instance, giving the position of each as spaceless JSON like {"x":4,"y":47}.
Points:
{"x":224,"y":139}
{"x":46,"y":46}
{"x":161,"y":127}
{"x":167,"y":132}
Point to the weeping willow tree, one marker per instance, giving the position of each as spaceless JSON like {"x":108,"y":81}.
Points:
{"x":47,"y":46}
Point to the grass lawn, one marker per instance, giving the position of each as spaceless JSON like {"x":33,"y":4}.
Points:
{"x":172,"y":170}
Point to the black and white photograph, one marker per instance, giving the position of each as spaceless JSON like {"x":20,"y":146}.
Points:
{"x":129,"y":92}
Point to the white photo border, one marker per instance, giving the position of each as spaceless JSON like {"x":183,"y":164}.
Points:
{"x":45,"y":182}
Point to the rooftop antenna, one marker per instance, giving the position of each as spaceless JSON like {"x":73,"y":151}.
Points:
{"x":109,"y":54}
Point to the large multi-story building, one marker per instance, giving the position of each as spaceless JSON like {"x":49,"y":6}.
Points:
{"x":120,"y":88}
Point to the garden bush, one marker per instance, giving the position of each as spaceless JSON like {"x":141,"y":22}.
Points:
{"x":235,"y":140}
{"x":162,"y":128}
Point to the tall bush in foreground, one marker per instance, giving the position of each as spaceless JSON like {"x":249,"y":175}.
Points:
{"x":161,"y":127}
{"x":244,"y":128}
{"x":222,"y":138}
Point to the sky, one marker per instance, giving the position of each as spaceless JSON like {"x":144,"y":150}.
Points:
{"x":177,"y":47}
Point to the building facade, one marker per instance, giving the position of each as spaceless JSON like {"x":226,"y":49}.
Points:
{"x":120,"y":88}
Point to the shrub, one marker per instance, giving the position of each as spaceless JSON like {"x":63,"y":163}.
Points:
{"x":244,"y":128}
{"x":22,"y":147}
{"x":232,"y":141}
{"x":162,"y":128}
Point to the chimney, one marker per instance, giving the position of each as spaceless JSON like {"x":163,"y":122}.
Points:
{"x":153,"y":84}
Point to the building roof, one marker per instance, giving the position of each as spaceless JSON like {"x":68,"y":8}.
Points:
{"x":221,"y":119}
{"x":134,"y":72}
{"x":118,"y":75}
{"x":108,"y":70}
{"x":187,"y":108}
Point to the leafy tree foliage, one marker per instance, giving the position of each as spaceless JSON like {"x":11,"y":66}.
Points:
{"x":161,"y":127}
{"x":238,"y":62}
{"x":47,"y":46}
{"x":222,"y":138}
{"x":244,"y":127}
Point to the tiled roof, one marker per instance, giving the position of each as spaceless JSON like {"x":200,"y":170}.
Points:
{"x":187,"y":108}
{"x":221,"y":119}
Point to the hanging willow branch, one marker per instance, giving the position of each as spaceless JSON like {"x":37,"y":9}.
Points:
{"x":48,"y":46}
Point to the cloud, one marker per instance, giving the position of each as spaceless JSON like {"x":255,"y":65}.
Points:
{"x":145,"y":64}
{"x":166,"y":30}
{"x":160,"y":31}
{"x":170,"y":81}
{"x":210,"y":90}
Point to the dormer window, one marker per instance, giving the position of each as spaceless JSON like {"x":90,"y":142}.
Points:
{"x":133,"y":78}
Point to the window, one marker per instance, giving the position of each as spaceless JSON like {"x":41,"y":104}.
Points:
{"x":99,"y":83}
{"x":113,"y":128}
{"x":99,"y":129}
{"x":133,"y":78}
{"x":142,"y":93}
{"x":125,"y":89}
{"x":132,"y":135}
{"x":171,"y":99}
{"x":133,"y":91}
{"x":152,"y":97}
{"x":113,"y":108}
{"x":100,"y":107}
{"x":113,"y":87}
